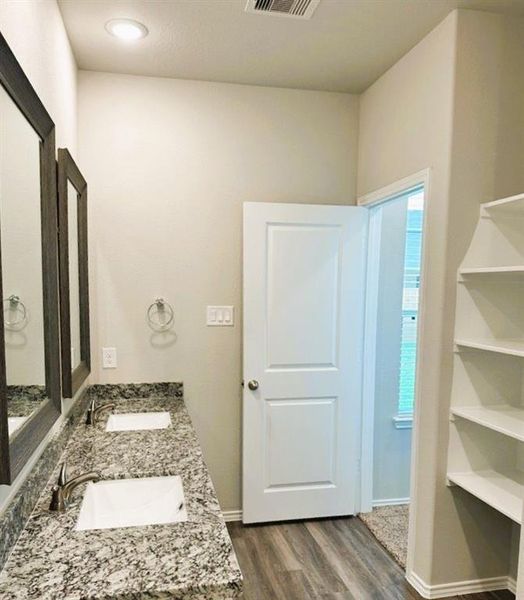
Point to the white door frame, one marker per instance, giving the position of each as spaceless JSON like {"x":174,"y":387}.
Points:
{"x":372,"y":200}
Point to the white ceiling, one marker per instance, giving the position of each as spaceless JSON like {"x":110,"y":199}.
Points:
{"x":346,"y":45}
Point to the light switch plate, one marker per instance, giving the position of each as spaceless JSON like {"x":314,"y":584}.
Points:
{"x":220,"y":316}
{"x":109,"y":358}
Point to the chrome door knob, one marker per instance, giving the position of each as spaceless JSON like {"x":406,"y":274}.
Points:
{"x":253,"y":385}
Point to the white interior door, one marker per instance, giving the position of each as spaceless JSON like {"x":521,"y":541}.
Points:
{"x":304,"y":288}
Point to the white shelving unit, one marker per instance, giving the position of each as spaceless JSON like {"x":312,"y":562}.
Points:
{"x":486,"y":441}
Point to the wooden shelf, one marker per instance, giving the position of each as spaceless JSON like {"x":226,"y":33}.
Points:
{"x":513,"y":205}
{"x":503,"y":418}
{"x":511,"y":347}
{"x":503,"y":493}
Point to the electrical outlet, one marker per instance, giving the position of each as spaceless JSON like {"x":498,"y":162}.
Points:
{"x":109,"y":358}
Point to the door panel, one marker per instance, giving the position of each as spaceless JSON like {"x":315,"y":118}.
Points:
{"x":289,"y":419}
{"x":304,"y":280}
{"x":301,"y":308}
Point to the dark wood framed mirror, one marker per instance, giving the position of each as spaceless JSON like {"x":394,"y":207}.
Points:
{"x":30,"y":399}
{"x":74,"y":278}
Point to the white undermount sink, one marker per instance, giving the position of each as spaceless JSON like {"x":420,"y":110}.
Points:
{"x":138,"y":421}
{"x":132,"y":503}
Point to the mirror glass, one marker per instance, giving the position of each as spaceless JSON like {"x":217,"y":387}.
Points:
{"x":21,"y":248}
{"x":74,"y":282}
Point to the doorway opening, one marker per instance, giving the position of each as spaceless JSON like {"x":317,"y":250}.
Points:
{"x":392,"y":333}
{"x":331,"y":346}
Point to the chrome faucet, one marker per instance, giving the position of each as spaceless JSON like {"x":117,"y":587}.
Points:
{"x":94,"y":412}
{"x":64,"y":488}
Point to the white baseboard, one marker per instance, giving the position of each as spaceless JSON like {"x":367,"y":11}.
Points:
{"x":446,"y":590}
{"x":236,"y":515}
{"x":512,"y":585}
{"x":232,"y":515}
{"x":390,"y":502}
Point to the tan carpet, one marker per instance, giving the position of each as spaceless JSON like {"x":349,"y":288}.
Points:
{"x":389,"y":524}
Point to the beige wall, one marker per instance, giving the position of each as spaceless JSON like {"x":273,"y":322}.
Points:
{"x":448,"y":105}
{"x":169,"y":164}
{"x":486,"y":160}
{"x":36,"y":34}
{"x":405,"y":126}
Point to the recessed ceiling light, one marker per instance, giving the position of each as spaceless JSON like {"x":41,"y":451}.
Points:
{"x":126,"y":29}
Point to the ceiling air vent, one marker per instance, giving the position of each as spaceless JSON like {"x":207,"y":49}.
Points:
{"x":300,"y":9}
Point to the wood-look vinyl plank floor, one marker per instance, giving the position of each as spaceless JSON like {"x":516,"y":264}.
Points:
{"x":324,"y":559}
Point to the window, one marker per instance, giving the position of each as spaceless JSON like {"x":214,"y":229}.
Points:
{"x":410,"y":300}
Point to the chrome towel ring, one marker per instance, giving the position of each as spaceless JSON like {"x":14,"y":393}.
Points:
{"x":160,"y":315}
{"x":15,"y":307}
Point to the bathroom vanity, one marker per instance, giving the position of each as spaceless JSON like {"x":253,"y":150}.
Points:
{"x":143,"y":519}
{"x":190,"y":559}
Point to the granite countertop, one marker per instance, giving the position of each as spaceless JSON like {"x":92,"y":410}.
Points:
{"x":192,"y":560}
{"x":22,"y":400}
